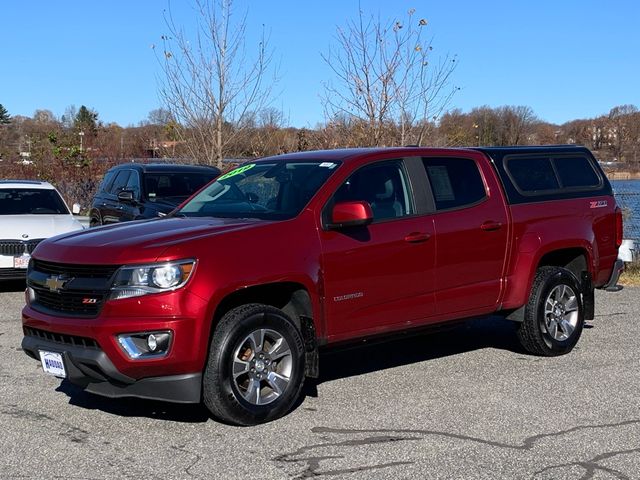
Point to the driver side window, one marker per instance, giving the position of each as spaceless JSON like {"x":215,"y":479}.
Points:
{"x":383,"y":185}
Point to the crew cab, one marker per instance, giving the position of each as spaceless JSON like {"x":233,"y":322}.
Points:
{"x":229,"y":299}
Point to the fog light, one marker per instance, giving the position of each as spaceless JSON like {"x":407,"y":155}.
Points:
{"x":152,"y":343}
{"x":145,"y":344}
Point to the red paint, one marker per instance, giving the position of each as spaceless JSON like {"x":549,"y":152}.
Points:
{"x":389,"y":275}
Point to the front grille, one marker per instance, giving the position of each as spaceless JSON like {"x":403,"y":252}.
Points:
{"x":61,"y":338}
{"x":73,"y":303}
{"x":81,"y":292}
{"x":12,"y":273}
{"x":15,"y":248}
{"x":85,"y":271}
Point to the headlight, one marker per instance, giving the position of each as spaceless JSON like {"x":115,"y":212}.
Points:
{"x":140,"y":280}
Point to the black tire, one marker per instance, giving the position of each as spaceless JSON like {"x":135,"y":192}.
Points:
{"x":226,"y":397}
{"x":96,"y":219}
{"x":552,"y":322}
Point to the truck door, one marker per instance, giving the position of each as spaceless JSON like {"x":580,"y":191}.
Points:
{"x":471,"y":229}
{"x":379,"y":275}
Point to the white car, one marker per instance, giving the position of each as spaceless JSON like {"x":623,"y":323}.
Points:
{"x":30,"y":211}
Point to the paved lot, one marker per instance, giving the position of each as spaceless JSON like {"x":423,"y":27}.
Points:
{"x":463,"y":404}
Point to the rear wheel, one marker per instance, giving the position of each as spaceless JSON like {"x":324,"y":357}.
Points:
{"x":554,"y":315}
{"x":255,"y":369}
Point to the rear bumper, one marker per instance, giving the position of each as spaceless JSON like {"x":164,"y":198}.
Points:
{"x":91,"y":369}
{"x":612,"y":284}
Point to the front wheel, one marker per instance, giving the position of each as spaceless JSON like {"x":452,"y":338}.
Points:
{"x":255,"y":369}
{"x":95,"y":219}
{"x":554,"y":316}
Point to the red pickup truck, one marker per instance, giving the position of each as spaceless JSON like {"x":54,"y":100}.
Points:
{"x":229,"y":298}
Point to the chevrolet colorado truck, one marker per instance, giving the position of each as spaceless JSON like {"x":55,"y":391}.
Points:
{"x":228,"y":299}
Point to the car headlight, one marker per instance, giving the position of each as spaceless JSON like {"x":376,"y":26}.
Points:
{"x":138,"y":280}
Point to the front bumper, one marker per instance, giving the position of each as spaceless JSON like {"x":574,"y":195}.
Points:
{"x":96,"y":361}
{"x":13,"y":273}
{"x":88,"y":367}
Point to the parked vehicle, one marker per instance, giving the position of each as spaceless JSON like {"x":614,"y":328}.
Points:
{"x":30,"y":211}
{"x":135,"y":191}
{"x":229,"y":299}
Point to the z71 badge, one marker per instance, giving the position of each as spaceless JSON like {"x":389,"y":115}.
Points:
{"x":598,"y":204}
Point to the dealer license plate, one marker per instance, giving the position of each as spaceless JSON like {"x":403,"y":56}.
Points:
{"x":21,"y":262}
{"x":53,"y":364}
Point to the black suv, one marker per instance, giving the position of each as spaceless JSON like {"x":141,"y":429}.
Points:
{"x":135,"y":191}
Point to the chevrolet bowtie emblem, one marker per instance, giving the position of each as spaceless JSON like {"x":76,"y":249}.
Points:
{"x":56,"y":282}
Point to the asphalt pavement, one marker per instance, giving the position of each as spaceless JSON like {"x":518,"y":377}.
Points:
{"x":467,"y":404}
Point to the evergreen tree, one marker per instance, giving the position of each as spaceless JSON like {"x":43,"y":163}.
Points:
{"x":86,"y":120}
{"x":4,"y":115}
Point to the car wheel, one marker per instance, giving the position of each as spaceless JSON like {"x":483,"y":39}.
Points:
{"x":554,"y":316}
{"x":255,"y":370}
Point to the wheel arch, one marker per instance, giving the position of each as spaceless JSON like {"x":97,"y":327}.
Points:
{"x":293,"y":299}
{"x":290,"y":297}
{"x":575,"y":258}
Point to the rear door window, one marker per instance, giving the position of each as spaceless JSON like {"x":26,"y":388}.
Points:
{"x":455,"y":182}
{"x":175,"y":184}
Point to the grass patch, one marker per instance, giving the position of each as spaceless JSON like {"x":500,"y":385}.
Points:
{"x":631,"y":275}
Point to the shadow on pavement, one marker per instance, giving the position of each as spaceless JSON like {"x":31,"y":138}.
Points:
{"x":362,"y":358}
{"x":335,"y":363}
{"x":134,"y":407}
{"x":12,"y":285}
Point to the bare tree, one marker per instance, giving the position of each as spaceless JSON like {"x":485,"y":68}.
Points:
{"x":384,"y":74}
{"x":159,"y":116}
{"x":517,"y":123}
{"x":210,"y":83}
{"x":69,"y":116}
{"x":618,"y":130}
{"x":634,"y":137}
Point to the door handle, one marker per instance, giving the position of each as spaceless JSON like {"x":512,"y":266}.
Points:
{"x":490,"y":226}
{"x":417,"y":237}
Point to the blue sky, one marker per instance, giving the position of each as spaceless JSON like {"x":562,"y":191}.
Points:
{"x":566,"y":59}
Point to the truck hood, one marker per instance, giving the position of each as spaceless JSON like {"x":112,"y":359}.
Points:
{"x":31,"y":227}
{"x":134,"y":242}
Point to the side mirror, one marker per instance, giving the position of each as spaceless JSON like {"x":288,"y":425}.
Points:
{"x":350,"y":214}
{"x":125,"y":196}
{"x":75,"y":209}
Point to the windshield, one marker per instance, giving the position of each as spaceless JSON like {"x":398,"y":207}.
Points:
{"x":265,"y":190}
{"x":31,"y":201}
{"x":175,"y":184}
